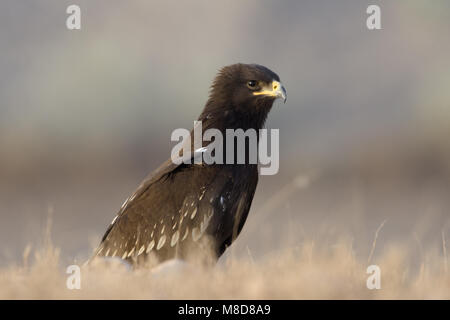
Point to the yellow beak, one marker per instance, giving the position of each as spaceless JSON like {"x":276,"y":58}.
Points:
{"x":275,"y":89}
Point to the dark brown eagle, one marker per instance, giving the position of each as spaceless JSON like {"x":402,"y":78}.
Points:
{"x":194,"y":211}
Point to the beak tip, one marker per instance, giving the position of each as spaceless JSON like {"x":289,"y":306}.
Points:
{"x":284,"y":95}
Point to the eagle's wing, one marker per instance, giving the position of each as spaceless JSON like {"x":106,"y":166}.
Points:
{"x":176,"y":207}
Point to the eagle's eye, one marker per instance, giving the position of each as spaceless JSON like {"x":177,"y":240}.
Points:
{"x":252,"y":84}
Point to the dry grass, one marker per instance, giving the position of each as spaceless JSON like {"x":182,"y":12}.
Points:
{"x":314,"y":266}
{"x":309,"y":271}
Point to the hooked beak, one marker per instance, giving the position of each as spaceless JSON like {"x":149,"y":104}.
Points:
{"x":276,"y":89}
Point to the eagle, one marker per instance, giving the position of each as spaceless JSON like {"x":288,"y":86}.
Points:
{"x":192,"y":211}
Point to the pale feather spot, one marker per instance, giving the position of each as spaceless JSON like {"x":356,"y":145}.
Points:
{"x":124,"y":203}
{"x":141,"y":250}
{"x":100,"y":250}
{"x":201,"y":196}
{"x":162,"y":230}
{"x":150,"y":246}
{"x":114,"y":253}
{"x":193,"y":213}
{"x":222,"y":203}
{"x":130,"y":253}
{"x":124,"y":255}
{"x":151,"y":234}
{"x":175,"y":237}
{"x":161,"y":242}
{"x":107,"y":253}
{"x":185,"y":234}
{"x":174,"y":226}
{"x":114,"y":220}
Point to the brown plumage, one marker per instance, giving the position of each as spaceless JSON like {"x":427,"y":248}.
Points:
{"x":192,"y":211}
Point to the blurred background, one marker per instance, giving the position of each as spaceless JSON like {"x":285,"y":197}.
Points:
{"x":86,"y":115}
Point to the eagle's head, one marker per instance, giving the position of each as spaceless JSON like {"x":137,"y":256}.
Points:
{"x":242,"y":96}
